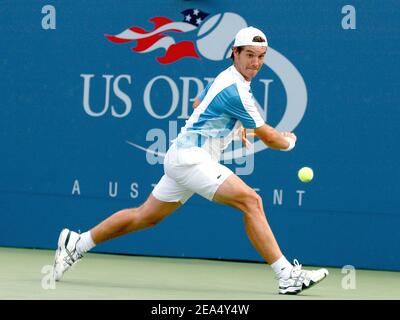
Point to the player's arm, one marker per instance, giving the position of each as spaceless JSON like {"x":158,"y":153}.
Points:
{"x":274,"y":139}
{"x":196,"y":103}
{"x":243,"y":108}
{"x":201,"y":96}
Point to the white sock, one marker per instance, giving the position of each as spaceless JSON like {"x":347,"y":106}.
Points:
{"x":282,"y":267}
{"x":85,"y":243}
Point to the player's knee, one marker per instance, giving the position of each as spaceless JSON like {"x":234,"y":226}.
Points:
{"x":147,"y":219}
{"x":133,"y":215}
{"x":251,"y":202}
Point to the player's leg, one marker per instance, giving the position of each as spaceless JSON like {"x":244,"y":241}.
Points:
{"x":71,"y":245}
{"x":166,"y":197}
{"x":217,"y":182}
{"x":235,"y":193}
{"x":292,"y":279}
{"x":125,"y":221}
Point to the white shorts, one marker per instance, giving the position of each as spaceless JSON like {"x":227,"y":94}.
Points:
{"x":188,"y":171}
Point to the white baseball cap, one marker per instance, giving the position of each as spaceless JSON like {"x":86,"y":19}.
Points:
{"x":245,"y":37}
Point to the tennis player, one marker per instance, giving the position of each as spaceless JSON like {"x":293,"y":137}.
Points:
{"x":192,"y":165}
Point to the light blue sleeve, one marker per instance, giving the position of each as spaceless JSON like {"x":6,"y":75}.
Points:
{"x":204,"y":92}
{"x":243,"y":109}
{"x":238,"y":111}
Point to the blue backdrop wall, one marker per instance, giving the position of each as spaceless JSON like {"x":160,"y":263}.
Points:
{"x":93,"y":91}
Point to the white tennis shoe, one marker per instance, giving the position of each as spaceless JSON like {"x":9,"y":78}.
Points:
{"x":66,"y":254}
{"x":300,"y":279}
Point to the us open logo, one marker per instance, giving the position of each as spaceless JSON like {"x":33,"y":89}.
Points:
{"x":200,"y":37}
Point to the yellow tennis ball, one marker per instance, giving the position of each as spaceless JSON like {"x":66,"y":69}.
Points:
{"x":305,"y":174}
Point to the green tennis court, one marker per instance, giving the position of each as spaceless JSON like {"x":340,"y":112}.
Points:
{"x":25,"y":274}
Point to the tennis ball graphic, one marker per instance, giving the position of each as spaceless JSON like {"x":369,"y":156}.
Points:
{"x":216,"y":35}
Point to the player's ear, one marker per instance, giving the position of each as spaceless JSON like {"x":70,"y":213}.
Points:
{"x":234,"y":52}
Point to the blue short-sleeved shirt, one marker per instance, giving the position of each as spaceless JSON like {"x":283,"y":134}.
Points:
{"x":226,"y":103}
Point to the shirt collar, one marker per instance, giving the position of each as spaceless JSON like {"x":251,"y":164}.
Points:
{"x":240,"y":76}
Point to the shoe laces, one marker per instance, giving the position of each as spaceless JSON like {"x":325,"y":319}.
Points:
{"x":72,"y":256}
{"x":296,"y":264}
{"x":296,"y":267}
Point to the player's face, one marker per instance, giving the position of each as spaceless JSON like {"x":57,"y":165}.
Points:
{"x":249,"y":61}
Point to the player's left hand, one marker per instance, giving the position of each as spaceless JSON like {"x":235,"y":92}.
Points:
{"x":244,"y":135}
{"x":290,"y":135}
